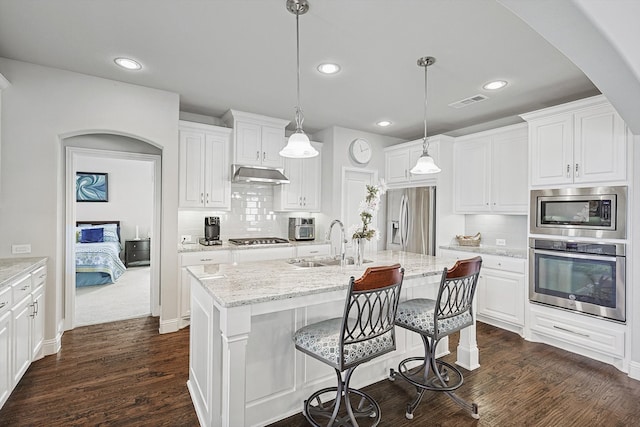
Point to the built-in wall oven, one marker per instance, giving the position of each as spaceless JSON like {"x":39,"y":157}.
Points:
{"x":587,"y":277}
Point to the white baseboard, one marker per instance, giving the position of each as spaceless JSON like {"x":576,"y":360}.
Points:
{"x":634,"y":370}
{"x":168,"y":326}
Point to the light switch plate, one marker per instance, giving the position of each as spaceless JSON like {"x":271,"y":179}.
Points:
{"x":501,"y":242}
{"x":21,"y":249}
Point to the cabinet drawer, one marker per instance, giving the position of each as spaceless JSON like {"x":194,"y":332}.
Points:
{"x":313,"y":250}
{"x":503,"y":263}
{"x":5,"y":299}
{"x":138,"y":245}
{"x":208,"y":257}
{"x":593,"y":334}
{"x":21,"y":288}
{"x":134,"y":256}
{"x":38,"y":277}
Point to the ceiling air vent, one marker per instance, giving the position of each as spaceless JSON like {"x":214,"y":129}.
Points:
{"x":468,"y":101}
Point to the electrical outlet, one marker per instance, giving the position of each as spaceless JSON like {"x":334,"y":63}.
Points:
{"x":186,"y":238}
{"x":501,"y":242}
{"x":21,"y":249}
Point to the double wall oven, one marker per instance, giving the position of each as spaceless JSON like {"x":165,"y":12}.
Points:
{"x":577,"y":261}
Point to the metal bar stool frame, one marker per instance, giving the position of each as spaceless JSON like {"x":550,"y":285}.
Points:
{"x":365,"y":331}
{"x":433,"y":320}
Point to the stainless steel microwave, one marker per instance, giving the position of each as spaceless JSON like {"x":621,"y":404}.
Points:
{"x":599,"y":212}
{"x":302,"y":229}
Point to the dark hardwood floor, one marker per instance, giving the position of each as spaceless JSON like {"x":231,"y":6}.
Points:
{"x":125,"y":373}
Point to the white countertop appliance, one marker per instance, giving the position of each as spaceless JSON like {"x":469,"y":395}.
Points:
{"x":302,"y":229}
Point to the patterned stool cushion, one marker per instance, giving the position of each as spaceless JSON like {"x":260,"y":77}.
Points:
{"x":322,"y":340}
{"x":418,"y":314}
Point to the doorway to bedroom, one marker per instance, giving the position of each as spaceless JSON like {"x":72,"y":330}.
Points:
{"x":113,"y":216}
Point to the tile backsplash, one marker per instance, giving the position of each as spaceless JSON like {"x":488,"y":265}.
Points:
{"x":511,"y":228}
{"x":251,"y":215}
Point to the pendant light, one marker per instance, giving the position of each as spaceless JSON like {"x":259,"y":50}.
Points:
{"x":425,"y":164}
{"x":298,"y":146}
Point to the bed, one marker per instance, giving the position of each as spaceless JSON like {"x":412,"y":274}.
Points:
{"x":98,"y":253}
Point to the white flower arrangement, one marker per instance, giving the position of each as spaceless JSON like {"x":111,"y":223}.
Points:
{"x":367,"y":209}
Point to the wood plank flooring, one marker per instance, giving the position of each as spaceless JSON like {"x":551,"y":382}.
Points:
{"x":126,"y":374}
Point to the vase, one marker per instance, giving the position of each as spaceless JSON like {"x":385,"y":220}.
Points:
{"x":359,"y":244}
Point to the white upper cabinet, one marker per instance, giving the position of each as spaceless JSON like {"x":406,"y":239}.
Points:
{"x":204,"y":166}
{"x":580,"y":142}
{"x":257,"y":139}
{"x":490,"y":171}
{"x":401,"y":158}
{"x":303,"y":193}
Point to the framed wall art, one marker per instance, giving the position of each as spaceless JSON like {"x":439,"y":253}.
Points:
{"x":92,"y":187}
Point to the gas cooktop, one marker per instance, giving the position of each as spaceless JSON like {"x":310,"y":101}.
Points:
{"x":258,"y":241}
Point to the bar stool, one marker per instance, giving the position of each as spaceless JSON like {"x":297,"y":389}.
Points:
{"x":365,"y":331}
{"x":433,"y":320}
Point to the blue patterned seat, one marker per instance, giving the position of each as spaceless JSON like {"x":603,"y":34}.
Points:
{"x":365,"y":331}
{"x":451,"y":311}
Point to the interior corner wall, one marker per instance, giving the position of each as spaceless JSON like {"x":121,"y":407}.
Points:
{"x":41,"y":107}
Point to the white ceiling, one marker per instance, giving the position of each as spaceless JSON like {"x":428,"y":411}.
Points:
{"x":221,"y":54}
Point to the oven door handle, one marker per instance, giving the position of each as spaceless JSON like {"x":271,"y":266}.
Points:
{"x":576,"y":255}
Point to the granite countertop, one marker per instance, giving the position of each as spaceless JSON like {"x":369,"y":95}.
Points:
{"x":489,"y":250}
{"x":236,"y":285}
{"x":10,"y":268}
{"x":197,"y":247}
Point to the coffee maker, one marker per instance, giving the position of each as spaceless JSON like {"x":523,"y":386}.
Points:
{"x":211,"y":231}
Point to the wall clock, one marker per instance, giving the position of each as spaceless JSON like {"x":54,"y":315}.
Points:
{"x":360,"y":151}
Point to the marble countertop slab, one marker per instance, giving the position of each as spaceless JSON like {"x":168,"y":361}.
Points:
{"x":256,"y":282}
{"x":197,"y":247}
{"x":10,"y":268}
{"x":489,"y":250}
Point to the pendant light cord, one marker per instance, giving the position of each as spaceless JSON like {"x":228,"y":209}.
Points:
{"x":425,"y":145}
{"x":299,"y":115}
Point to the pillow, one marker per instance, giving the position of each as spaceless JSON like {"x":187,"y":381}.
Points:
{"x":110,"y":232}
{"x":91,"y":235}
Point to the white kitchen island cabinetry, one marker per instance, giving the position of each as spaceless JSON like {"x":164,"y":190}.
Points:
{"x":401,"y":158}
{"x":22,"y":283}
{"x":257,"y":139}
{"x":577,"y":143}
{"x":303,"y":193}
{"x":490,"y":171}
{"x":204,"y":166}
{"x":243,"y":366}
{"x":501,"y":292}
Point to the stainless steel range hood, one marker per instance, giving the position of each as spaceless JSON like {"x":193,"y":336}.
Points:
{"x":258,"y":174}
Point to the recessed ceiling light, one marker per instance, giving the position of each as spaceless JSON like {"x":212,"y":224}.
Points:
{"x":384,"y":123}
{"x":128,"y":63}
{"x":494,"y":85}
{"x":328,"y":68}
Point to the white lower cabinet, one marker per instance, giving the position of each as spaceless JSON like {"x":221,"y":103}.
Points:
{"x":264,"y":254}
{"x":313,"y":250}
{"x":500,"y":293}
{"x":21,"y":326}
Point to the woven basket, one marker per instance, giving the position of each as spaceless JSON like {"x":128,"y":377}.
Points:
{"x":469,"y":240}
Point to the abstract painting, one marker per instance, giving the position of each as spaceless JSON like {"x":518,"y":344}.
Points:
{"x":91,"y":187}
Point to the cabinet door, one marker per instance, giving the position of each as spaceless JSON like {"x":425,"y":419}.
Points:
{"x":21,"y":338}
{"x":6,"y":380}
{"x":248,"y":148}
{"x":311,"y":174}
{"x":217,"y":170}
{"x":472,"y":175}
{"x":599,"y":146}
{"x":192,"y":152}
{"x":290,"y":195}
{"x":397,"y":166}
{"x":272,"y":142}
{"x":551,"y":142}
{"x":509,"y":179}
{"x":501,"y":296}
{"x":37,"y":333}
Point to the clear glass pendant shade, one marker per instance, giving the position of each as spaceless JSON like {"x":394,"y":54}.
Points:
{"x":425,"y":165}
{"x":298,"y":147}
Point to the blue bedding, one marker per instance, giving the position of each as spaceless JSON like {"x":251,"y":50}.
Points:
{"x":101,"y":260}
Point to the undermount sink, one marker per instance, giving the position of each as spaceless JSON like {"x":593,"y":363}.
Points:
{"x":325,"y":262}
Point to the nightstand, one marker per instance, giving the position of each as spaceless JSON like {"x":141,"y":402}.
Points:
{"x":137,"y":252}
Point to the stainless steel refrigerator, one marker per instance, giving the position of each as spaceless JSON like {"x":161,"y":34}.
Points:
{"x":411,"y":220}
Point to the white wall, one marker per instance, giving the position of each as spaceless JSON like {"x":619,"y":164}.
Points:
{"x":41,"y":107}
{"x":130,"y":195}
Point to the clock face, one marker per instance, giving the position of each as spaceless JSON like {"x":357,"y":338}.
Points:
{"x":360,"y":151}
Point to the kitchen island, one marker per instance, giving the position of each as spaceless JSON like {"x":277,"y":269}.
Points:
{"x":243,"y":367}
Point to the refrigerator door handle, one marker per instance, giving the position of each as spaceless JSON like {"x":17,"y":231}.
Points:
{"x":401,"y":222}
{"x":405,"y":220}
